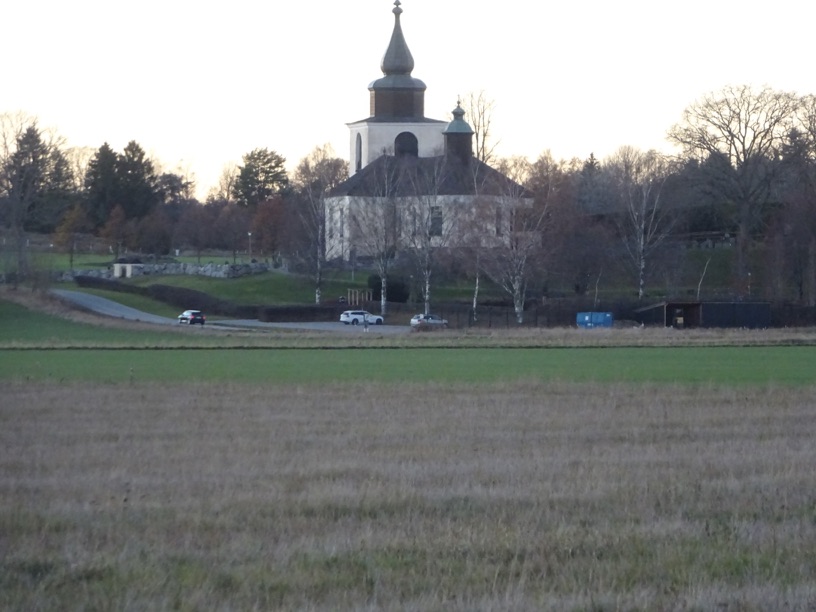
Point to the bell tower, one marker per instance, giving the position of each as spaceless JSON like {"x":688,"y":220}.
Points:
{"x":396,"y":124}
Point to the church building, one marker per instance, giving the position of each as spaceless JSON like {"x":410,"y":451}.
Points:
{"x":412,"y":178}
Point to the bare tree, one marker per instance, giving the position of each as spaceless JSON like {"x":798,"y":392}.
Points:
{"x":479,"y":110}
{"x":222,"y":192}
{"x":233,"y":223}
{"x":374,"y":223}
{"x":472,"y":243}
{"x":791,"y":252}
{"x":737,"y":134}
{"x":268,"y":226}
{"x":73,"y":223}
{"x":644,"y":222}
{"x":430,"y":220}
{"x":518,"y":240}
{"x":198,"y":227}
{"x":79,"y":158}
{"x":480,"y":226}
{"x":316,"y":175}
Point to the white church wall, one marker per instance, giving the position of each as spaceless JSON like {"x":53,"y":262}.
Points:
{"x":378,"y":138}
{"x":338,"y":213}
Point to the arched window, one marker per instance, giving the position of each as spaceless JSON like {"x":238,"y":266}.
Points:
{"x":358,"y":159}
{"x":406,"y":144}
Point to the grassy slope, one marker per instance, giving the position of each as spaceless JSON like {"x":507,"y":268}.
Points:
{"x":139,"y":302}
{"x":270,"y":288}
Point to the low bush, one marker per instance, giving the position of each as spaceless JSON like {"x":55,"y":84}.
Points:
{"x":299,"y":312}
{"x":180,"y":297}
{"x":108,"y":284}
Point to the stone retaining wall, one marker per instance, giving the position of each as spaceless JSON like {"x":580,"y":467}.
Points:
{"x":171,"y":269}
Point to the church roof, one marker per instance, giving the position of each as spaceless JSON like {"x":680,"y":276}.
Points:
{"x":444,"y":175}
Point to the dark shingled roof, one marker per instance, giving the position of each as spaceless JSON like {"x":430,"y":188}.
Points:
{"x":445,"y":175}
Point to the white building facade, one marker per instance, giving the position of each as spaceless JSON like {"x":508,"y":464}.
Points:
{"x":411,"y":177}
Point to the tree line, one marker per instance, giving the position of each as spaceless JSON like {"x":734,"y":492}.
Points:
{"x":744,"y":173}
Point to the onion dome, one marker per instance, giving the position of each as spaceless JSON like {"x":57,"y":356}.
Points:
{"x":397,"y":94}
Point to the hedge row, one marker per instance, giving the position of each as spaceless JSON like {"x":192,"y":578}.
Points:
{"x":180,"y":297}
{"x":297,"y":313}
{"x":553,"y":313}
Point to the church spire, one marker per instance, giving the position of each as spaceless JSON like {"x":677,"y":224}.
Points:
{"x":397,"y":58}
{"x":397,"y":95}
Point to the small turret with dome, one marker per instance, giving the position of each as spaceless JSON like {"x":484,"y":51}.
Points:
{"x":459,"y":135}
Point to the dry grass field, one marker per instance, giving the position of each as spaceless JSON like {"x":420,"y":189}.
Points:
{"x":361,"y":496}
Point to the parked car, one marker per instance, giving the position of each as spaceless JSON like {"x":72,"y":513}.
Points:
{"x":192,"y":317}
{"x":428,"y":320}
{"x":357,"y":317}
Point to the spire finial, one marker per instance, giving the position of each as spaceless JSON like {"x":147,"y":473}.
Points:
{"x":397,"y":59}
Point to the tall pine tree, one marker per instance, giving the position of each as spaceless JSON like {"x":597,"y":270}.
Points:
{"x":101,"y":186}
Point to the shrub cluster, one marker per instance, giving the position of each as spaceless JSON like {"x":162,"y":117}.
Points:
{"x":180,"y":297}
{"x":109,"y":284}
{"x":398,"y":289}
{"x":300,"y":312}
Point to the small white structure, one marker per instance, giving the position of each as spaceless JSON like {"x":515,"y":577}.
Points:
{"x":125,"y":270}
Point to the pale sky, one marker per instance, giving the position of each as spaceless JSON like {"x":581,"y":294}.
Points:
{"x":200,"y":83}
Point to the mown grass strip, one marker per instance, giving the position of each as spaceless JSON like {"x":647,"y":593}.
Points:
{"x":717,"y":365}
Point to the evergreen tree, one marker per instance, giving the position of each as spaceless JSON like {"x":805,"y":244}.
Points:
{"x":40,"y":182}
{"x":262,"y":176}
{"x":36,"y":180}
{"x":136,"y":182}
{"x":101,"y":186}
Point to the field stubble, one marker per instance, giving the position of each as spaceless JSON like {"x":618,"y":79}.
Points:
{"x":420,"y":496}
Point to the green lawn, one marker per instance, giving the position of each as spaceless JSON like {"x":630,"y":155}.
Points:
{"x":21,"y":327}
{"x":139,"y":302}
{"x":703,"y":365}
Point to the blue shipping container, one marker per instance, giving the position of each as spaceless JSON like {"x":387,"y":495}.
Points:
{"x":594,"y":319}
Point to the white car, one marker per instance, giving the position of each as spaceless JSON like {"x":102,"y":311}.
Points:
{"x":191,"y":317}
{"x":359,"y":317}
{"x":428,"y":320}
